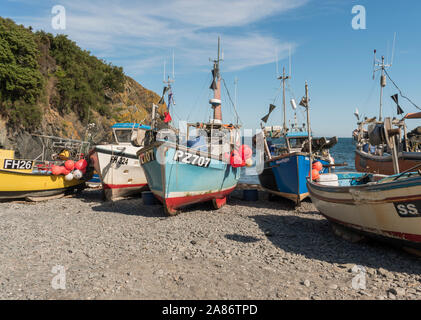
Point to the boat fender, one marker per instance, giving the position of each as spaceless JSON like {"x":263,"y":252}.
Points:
{"x":77,"y":174}
{"x":81,"y":164}
{"x":317,"y":165}
{"x":249,"y":162}
{"x":236,"y":160}
{"x":315,"y":174}
{"x":56,"y":170}
{"x":245,"y":152}
{"x":69,"y":165}
{"x":68,"y":177}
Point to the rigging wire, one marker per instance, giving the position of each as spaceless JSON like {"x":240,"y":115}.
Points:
{"x":232,"y":103}
{"x":197,"y":98}
{"x":370,"y":95}
{"x":400,"y":92}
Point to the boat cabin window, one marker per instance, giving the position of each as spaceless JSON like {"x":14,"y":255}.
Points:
{"x":296,"y":143}
{"x":122,"y":135}
{"x":277,"y":146}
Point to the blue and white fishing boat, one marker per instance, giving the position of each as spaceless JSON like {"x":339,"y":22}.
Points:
{"x":287,"y":157}
{"x":183,"y":169}
{"x":383,"y":207}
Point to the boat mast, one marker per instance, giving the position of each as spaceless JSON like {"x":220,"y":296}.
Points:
{"x":306,"y":105}
{"x":283,"y":78}
{"x":382,"y":85}
{"x":381,"y":66}
{"x":216,"y":87}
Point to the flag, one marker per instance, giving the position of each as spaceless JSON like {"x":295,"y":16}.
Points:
{"x":266,"y":117}
{"x":167,"y":117}
{"x":213,"y":84}
{"x":169,"y":98}
{"x":395,"y":98}
{"x":164,"y":91}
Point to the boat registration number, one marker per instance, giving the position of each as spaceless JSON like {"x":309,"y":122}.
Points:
{"x":17,"y":164}
{"x":119,"y":160}
{"x":146,"y":157}
{"x":193,"y":159}
{"x":408,"y":209}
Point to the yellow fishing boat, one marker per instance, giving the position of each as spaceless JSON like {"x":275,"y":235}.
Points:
{"x":34,"y":179}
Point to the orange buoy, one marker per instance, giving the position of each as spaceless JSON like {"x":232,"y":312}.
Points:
{"x":317,"y":165}
{"x":69,"y":165}
{"x":315,"y":174}
{"x":245,"y":152}
{"x":81,"y":164}
{"x":236,"y":160}
{"x":56,"y":170}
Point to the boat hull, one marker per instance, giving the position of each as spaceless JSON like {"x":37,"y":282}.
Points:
{"x":365,"y":162}
{"x":119,"y":170}
{"x":388,"y":211}
{"x":15,"y":185}
{"x":286,"y":176}
{"x":177,"y":184}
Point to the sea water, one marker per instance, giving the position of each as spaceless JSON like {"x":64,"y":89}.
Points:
{"x":342,"y":152}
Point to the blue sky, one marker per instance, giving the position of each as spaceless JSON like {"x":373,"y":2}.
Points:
{"x":334,"y":58}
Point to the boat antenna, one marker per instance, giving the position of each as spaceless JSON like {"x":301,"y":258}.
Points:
{"x":290,"y":63}
{"x":382,"y":66}
{"x":393,"y":49}
{"x":235,"y":96}
{"x":276,"y":63}
{"x":283,"y":78}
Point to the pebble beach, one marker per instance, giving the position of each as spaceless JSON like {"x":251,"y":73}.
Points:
{"x":245,"y":250}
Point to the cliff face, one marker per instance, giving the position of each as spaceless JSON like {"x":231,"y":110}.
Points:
{"x":48,"y":85}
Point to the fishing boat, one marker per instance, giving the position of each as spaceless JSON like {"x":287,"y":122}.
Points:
{"x":383,"y":207}
{"x":117,"y":164}
{"x":199,"y":165}
{"x":46,"y":175}
{"x":286,"y":156}
{"x":373,"y":156}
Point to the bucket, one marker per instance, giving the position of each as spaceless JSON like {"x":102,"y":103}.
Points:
{"x":148,"y":198}
{"x":250,"y":195}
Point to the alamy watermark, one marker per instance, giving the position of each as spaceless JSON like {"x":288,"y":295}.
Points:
{"x":59,"y":280}
{"x":58,"y":21}
{"x":359,"y":281}
{"x":359,"y":21}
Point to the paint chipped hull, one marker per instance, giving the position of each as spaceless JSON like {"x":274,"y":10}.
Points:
{"x":388,"y":210}
{"x":177,"y":184}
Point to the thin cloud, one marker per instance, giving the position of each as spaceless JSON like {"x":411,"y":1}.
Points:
{"x":151,"y":29}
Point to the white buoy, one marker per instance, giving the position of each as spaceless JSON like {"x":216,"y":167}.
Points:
{"x":68,"y":177}
{"x":249,"y":162}
{"x":77,"y":174}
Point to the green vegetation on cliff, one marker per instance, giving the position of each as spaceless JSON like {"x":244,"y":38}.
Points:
{"x":49,"y":84}
{"x":21,"y":82}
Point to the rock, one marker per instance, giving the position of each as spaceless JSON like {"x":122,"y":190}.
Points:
{"x":333,"y":286}
{"x":193,"y":242}
{"x":384,"y":272}
{"x":391,"y":296}
{"x":397,"y":291}
{"x":306,"y":283}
